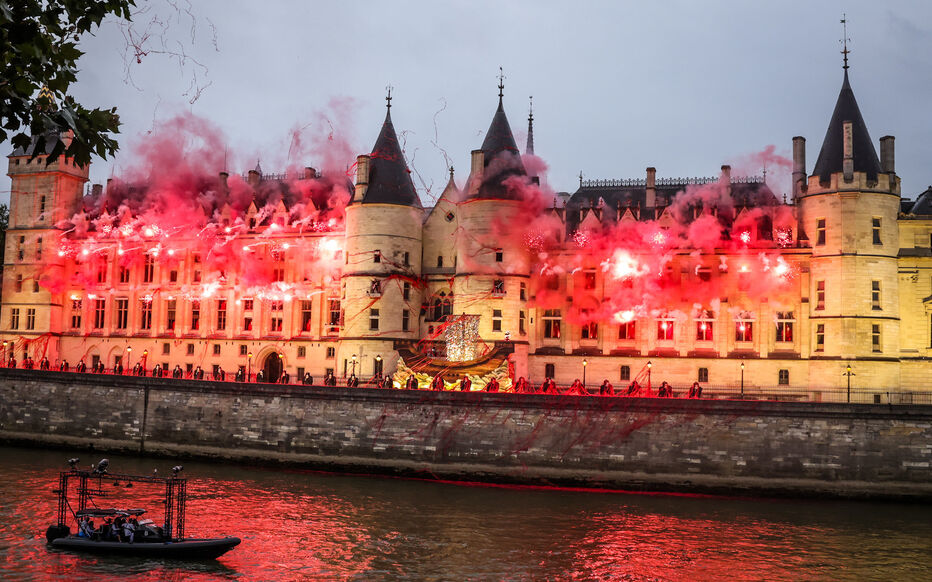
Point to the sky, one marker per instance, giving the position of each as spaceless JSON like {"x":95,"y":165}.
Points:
{"x":617,"y":86}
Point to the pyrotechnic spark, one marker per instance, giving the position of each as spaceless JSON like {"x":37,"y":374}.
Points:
{"x":745,"y":236}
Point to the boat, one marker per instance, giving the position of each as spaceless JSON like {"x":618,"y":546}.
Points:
{"x":141,"y":538}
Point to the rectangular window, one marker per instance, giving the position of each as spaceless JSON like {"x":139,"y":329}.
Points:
{"x":820,"y":232}
{"x":405,"y":319}
{"x":499,"y":256}
{"x":278,"y":308}
{"x":306,"y":315}
{"x":625,"y":373}
{"x":522,"y":327}
{"x":247,"y":304}
{"x":440,"y":261}
{"x":406,"y":291}
{"x":170,"y":312}
{"x":744,"y":331}
{"x":195,"y":315}
{"x":407,"y":259}
{"x":626,"y":331}
{"x":148,"y":269}
{"x":76,"y":310}
{"x":523,"y":291}
{"x":122,"y":313}
{"x":100,"y":308}
{"x":876,"y":345}
{"x":665,"y":329}
{"x":820,"y":295}
{"x":820,"y":337}
{"x":216,"y":349}
{"x":704,"y":330}
{"x":551,"y":321}
{"x":30,"y":318}
{"x":498,"y":287}
{"x":590,"y":331}
{"x":14,"y":318}
{"x":377,"y":257}
{"x":785,"y":322}
{"x":374,"y":320}
{"x":197,"y":276}
{"x":705,"y":274}
{"x":331,"y":352}
{"x":589,"y":280}
{"x":875,"y":295}
{"x":875,"y":230}
{"x":703,"y":375}
{"x":145,"y":314}
{"x":278,"y":274}
{"x":302,"y":351}
{"x":221,"y":314}
{"x":173,"y":276}
{"x":783,"y":377}
{"x":496,"y":320}
{"x":39,"y":245}
{"x":166,"y":348}
{"x":190,"y":348}
{"x":35,"y":286}
{"x":124,"y":274}
{"x":333,"y":308}
{"x":19,"y":284}
{"x":549,"y":370}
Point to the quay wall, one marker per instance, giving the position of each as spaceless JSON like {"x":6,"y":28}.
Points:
{"x":705,"y":446}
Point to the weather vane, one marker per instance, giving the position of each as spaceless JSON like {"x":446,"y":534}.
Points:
{"x":388,"y":96}
{"x":844,"y":38}
{"x":501,"y":82}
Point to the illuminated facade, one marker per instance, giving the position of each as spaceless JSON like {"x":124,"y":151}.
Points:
{"x":710,"y":280}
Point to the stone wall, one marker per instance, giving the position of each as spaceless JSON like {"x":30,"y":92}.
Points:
{"x":769,"y":448}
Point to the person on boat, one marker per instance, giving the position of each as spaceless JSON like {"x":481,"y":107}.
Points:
{"x":437,"y":383}
{"x":551,"y":387}
{"x":465,"y":384}
{"x":198,"y":373}
{"x":221,"y":375}
{"x":330,"y":379}
{"x":285,"y":378}
{"x":157,"y":371}
{"x":634,"y":388}
{"x":118,"y":369}
{"x":81,"y":367}
{"x":44,"y":363}
{"x":85,"y":527}
{"x":695,"y":391}
{"x":307,"y":380}
{"x":240,"y":375}
{"x":492,"y":385}
{"x":177,"y":372}
{"x":606,"y":389}
{"x":521,"y":386}
{"x":11,"y":363}
{"x":129,"y":531}
{"x":411,"y":383}
{"x":260,"y":376}
{"x":578,"y":389}
{"x":352,"y":381}
{"x":63,"y":366}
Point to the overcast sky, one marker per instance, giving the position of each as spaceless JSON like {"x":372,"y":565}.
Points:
{"x":618,"y":86}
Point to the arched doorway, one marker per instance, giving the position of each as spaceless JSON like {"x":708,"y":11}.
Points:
{"x":272,"y":367}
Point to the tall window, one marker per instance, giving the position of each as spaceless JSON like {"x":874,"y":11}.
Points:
{"x":523,"y":291}
{"x":406,"y":290}
{"x":122,"y":313}
{"x":306,"y":315}
{"x":499,"y":256}
{"x":875,"y":295}
{"x":820,"y":337}
{"x":785,"y":322}
{"x":101,"y":270}
{"x":704,"y":326}
{"x":625,"y":373}
{"x":406,"y":259}
{"x":783,"y":378}
{"x":148,"y":269}
{"x":145,"y":314}
{"x":39,"y":244}
{"x":14,"y":318}
{"x":19,"y":283}
{"x":195,"y":314}
{"x":221,"y":314}
{"x":278,"y":274}
{"x":820,"y":295}
{"x":522,"y":326}
{"x":377,"y":257}
{"x":589,"y":280}
{"x":702,"y":375}
{"x":440,"y":261}
{"x":875,"y":230}
{"x":374,"y":320}
{"x":876,"y":345}
{"x":30,"y":318}
{"x":590,"y":330}
{"x":552,"y":323}
{"x":333,"y":309}
{"x":124,"y":274}
{"x":744,"y":331}
{"x":549,"y":370}
{"x":247,"y":314}
{"x":170,"y":312}
{"x":278,"y":308}
{"x":405,"y":320}
{"x":820,"y":232}
{"x":498,"y":287}
{"x":626,"y":330}
{"x":496,"y":320}
{"x":100,"y":307}
{"x":76,"y":308}
{"x":665,"y":329}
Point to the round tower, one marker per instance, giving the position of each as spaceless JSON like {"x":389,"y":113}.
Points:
{"x":380,"y":296}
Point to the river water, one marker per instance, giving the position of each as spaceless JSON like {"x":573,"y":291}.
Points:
{"x":299,"y":525}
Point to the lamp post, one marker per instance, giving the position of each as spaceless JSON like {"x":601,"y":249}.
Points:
{"x":353,"y":373}
{"x":145,"y":360}
{"x":649,"y":366}
{"x":129,"y":355}
{"x":585,"y":363}
{"x":849,"y":373}
{"x":249,"y":372}
{"x":742,"y":379}
{"x":378,"y":364}
{"x":5,"y":359}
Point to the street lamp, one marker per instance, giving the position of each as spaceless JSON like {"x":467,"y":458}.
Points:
{"x":145,"y":360}
{"x":649,"y":366}
{"x":378,"y":364}
{"x":742,"y":379}
{"x":584,"y":364}
{"x":5,"y":343}
{"x":353,"y":373}
{"x":249,"y":372}
{"x":849,"y":373}
{"x":129,"y":355}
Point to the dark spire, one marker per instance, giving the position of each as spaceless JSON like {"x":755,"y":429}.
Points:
{"x":530,"y":128}
{"x":501,"y":152}
{"x":389,"y":177}
{"x":831,"y":157}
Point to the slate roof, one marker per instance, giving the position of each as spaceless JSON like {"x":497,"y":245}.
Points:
{"x":51,"y":139}
{"x":831,"y":157}
{"x":501,"y":153}
{"x":389,"y":177}
{"x":923,"y":204}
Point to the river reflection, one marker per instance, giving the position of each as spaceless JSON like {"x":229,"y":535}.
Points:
{"x":307,"y":526}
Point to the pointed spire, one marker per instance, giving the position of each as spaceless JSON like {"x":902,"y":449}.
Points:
{"x":529,"y":149}
{"x":389,"y":177}
{"x":844,"y":40}
{"x":258,"y":167}
{"x":388,"y":98}
{"x":500,"y":152}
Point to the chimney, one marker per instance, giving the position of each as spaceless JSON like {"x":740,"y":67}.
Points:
{"x":886,"y":154}
{"x":651,"y":198}
{"x":97,"y":189}
{"x":310,"y":173}
{"x":799,"y":167}
{"x":477,"y":165}
{"x":848,"y":149}
{"x":362,"y":178}
{"x":223,"y":178}
{"x":726,"y":174}
{"x":252,"y":178}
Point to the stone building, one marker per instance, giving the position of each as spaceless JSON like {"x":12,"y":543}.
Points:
{"x":393,"y":287}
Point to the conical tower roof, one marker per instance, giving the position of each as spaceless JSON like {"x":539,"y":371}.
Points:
{"x":831,"y":157}
{"x":389,"y":177}
{"x":501,"y":153}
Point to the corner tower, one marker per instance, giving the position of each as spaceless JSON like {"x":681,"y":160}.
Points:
{"x":848,"y":209}
{"x":381,"y":300}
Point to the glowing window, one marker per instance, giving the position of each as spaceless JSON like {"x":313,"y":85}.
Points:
{"x":665,"y":329}
{"x":744,"y":331}
{"x":195,"y":315}
{"x":551,"y":322}
{"x":626,"y":331}
{"x":785,"y":321}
